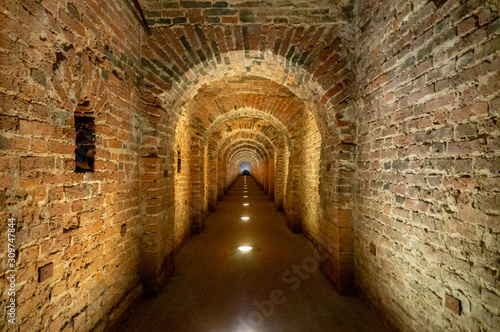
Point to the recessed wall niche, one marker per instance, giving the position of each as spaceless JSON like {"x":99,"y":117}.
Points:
{"x":179,"y":161}
{"x":85,"y":143}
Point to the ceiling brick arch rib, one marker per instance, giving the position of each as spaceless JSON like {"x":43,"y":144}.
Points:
{"x":238,"y":92}
{"x":244,"y":158}
{"x":250,"y":113}
{"x":268,"y":135}
{"x":185,"y":51}
{"x":263,"y":153}
{"x":246,"y":152}
{"x":232,"y":143}
{"x":246,"y":123}
{"x":258,"y":135}
{"x":311,"y":65}
{"x":260,"y":150}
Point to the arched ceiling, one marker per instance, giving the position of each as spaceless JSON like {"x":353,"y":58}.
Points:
{"x":243,"y":113}
{"x":244,"y":154}
{"x":240,"y":92}
{"x":210,"y":70}
{"x":245,"y":134}
{"x":308,"y":60}
{"x":241,"y":142}
{"x":281,"y":130}
{"x":240,"y":146}
{"x":265,"y":135}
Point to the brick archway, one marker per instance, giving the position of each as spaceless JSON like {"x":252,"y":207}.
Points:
{"x":316,"y":87}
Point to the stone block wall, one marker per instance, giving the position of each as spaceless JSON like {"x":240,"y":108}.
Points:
{"x":427,"y":227}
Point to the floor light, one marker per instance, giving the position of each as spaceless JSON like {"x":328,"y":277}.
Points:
{"x":244,"y":248}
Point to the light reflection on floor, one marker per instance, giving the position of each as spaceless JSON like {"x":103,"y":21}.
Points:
{"x":275,"y":287}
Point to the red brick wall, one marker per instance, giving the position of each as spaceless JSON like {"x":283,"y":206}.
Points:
{"x":428,"y":162}
{"x":58,"y":58}
{"x":405,"y":102}
{"x":167,"y":12}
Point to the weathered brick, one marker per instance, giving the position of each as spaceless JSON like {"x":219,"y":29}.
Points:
{"x":435,"y":104}
{"x":465,"y":59}
{"x":29,"y":164}
{"x":480,"y":108}
{"x":413,"y":204}
{"x":408,"y":63}
{"x":179,"y":20}
{"x":221,"y":4}
{"x":468,"y":130}
{"x":45,"y":272}
{"x":195,"y":4}
{"x":219,"y":12}
{"x":466,"y":26}
{"x":438,"y":148}
{"x":464,"y":148}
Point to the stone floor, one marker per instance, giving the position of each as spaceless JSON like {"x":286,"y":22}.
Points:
{"x":275,"y":287}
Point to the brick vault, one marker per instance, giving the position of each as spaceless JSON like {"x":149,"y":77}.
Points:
{"x":372,"y":125}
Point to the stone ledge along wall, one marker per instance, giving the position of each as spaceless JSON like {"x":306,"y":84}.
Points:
{"x":78,"y":234}
{"x":427,"y":231}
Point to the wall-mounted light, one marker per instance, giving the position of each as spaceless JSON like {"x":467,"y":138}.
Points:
{"x":245,"y":218}
{"x":246,"y":204}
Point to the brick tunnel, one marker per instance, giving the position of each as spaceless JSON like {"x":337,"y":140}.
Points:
{"x":369,"y":130}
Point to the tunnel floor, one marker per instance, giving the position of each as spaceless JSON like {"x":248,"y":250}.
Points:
{"x":275,"y":287}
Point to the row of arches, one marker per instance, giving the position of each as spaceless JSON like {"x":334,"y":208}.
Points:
{"x":292,"y":123}
{"x":253,"y":136}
